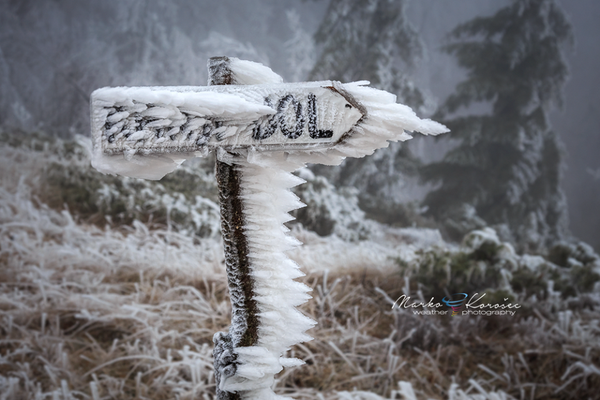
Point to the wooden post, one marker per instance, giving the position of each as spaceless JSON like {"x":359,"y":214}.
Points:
{"x":244,"y":309}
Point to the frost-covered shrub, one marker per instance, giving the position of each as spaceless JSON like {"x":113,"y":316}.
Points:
{"x":531,"y":282}
{"x":121,"y":200}
{"x":157,"y":202}
{"x":568,"y":254}
{"x":480,"y":264}
{"x":460,"y":221}
{"x":185,"y":200}
{"x":483,"y":263}
{"x":331,"y":210}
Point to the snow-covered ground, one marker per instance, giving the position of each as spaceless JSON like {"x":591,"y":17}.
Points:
{"x":107,"y":292}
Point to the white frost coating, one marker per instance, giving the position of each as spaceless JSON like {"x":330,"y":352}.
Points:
{"x":151,"y":166}
{"x":324,"y":122}
{"x":252,"y":73}
{"x":266,"y":180}
{"x":265,"y":184}
{"x":179,"y":114}
{"x":385,"y":121}
{"x":123,"y":115}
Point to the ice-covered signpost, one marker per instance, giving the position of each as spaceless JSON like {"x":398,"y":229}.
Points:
{"x":262,"y":130}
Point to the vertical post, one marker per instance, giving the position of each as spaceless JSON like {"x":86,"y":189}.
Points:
{"x":244,"y":322}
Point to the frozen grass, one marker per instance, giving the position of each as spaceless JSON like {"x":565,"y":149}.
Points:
{"x":120,"y":309}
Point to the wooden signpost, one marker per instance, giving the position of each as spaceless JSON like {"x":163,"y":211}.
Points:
{"x":285,"y":117}
{"x":261,"y":130}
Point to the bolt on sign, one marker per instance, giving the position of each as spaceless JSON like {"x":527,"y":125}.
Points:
{"x":261,"y":130}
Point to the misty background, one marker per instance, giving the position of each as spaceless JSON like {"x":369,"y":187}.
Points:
{"x":53,"y":54}
{"x":113,"y":287}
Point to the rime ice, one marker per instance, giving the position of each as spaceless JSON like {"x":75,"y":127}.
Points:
{"x":266,"y":180}
{"x":147,"y":132}
{"x":262,"y":130}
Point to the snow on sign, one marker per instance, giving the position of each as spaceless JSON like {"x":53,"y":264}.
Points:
{"x":185,"y":119}
{"x":261,"y":130}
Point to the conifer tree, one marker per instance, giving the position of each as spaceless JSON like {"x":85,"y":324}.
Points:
{"x":372,"y":40}
{"x":506,"y":168}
